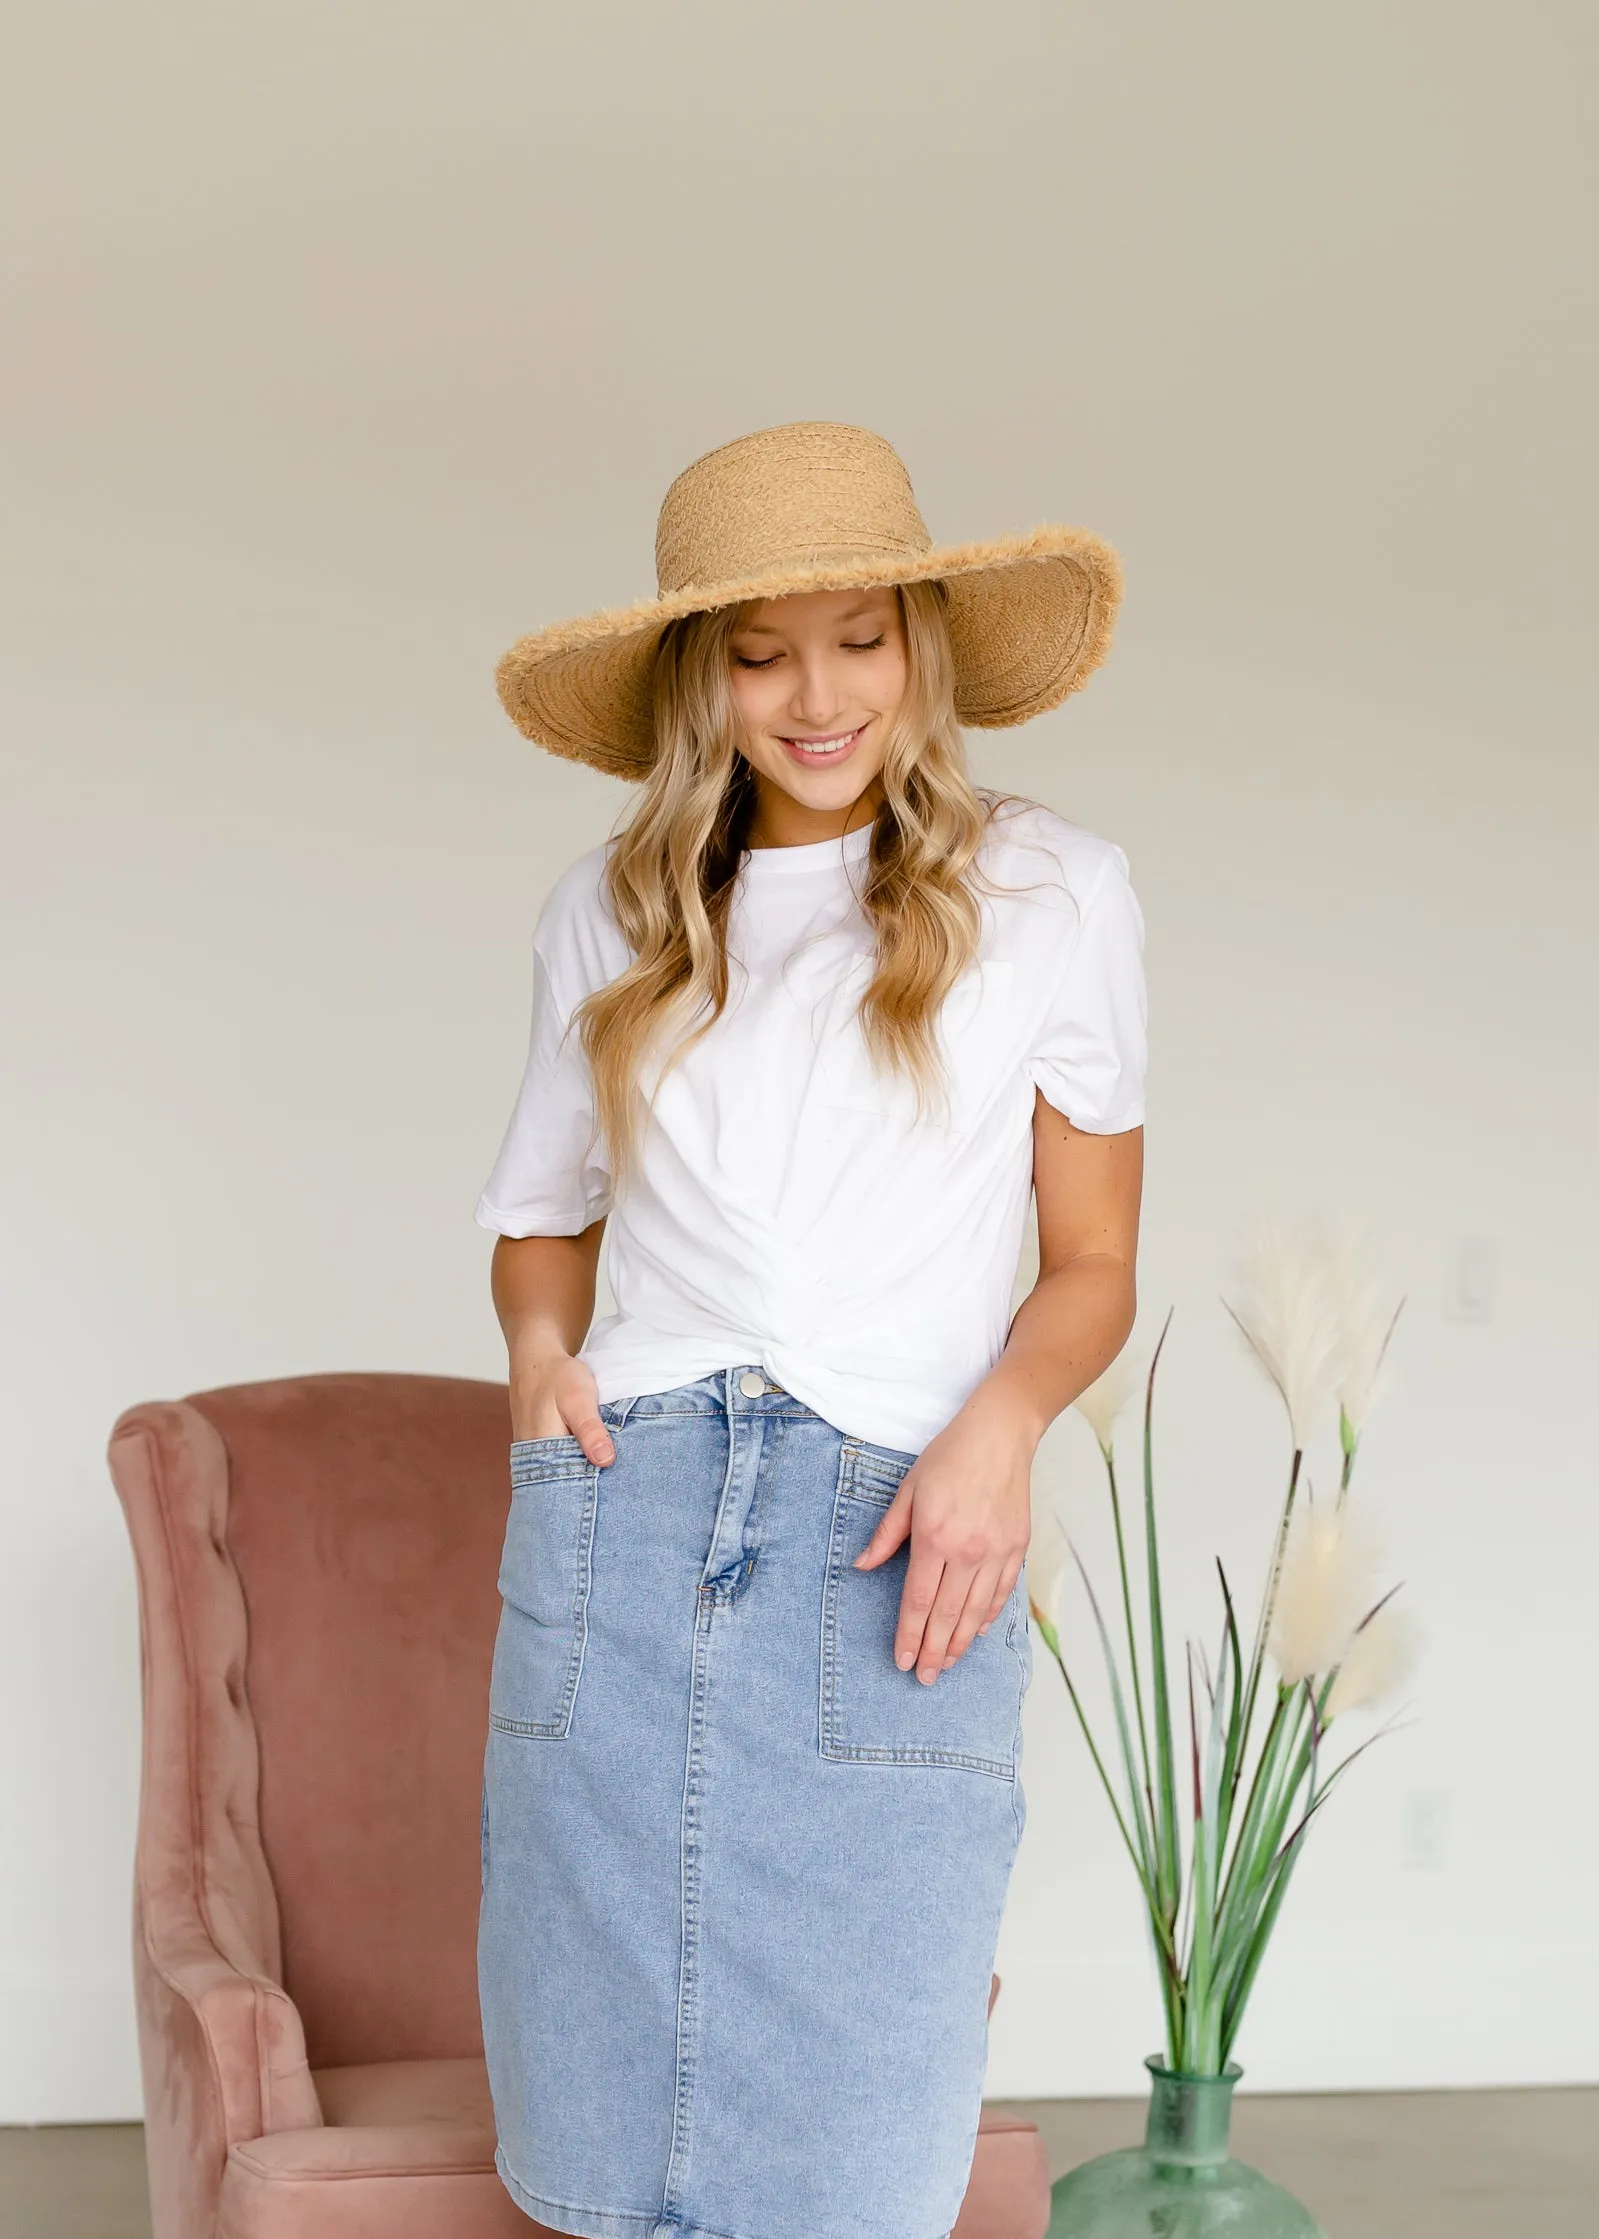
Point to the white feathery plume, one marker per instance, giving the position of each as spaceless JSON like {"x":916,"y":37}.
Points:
{"x":1102,"y":1403}
{"x":1323,"y":1592}
{"x":1048,"y":1555}
{"x":1380,"y":1658}
{"x":1286,"y":1308}
{"x":1366,"y":1318}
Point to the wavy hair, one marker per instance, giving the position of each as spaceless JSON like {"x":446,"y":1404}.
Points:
{"x":670,"y":874}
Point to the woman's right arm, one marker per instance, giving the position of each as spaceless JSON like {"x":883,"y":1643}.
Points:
{"x":543,"y":1289}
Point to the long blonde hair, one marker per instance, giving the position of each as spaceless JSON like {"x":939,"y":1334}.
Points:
{"x":670,"y":875}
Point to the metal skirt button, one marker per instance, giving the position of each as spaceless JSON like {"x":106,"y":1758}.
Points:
{"x":751,"y":1385}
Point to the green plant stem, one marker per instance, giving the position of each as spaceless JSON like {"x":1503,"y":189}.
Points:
{"x":1168,"y":1836}
{"x":1167,"y":1962}
{"x":1133,"y":1659}
{"x":1196,"y":2004}
{"x":1264,"y":1878}
{"x":1262,"y":1804}
{"x":1274,"y":1884}
{"x":1252,"y":1805}
{"x":1237,"y":1738}
{"x":1269,"y":1599}
{"x":1119,"y":1708}
{"x":1140,"y":1866}
{"x":1243,"y":1980}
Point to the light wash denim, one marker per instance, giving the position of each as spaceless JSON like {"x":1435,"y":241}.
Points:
{"x":742,"y":1876}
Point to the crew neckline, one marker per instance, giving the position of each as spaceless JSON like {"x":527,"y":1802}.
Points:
{"x":812,"y":855}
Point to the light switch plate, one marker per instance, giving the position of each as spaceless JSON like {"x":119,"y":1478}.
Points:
{"x":1473,"y":1280}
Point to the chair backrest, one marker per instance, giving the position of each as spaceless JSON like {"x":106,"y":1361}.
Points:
{"x":362,"y":1518}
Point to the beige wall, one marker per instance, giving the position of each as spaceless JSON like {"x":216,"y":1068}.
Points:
{"x":349,"y":341}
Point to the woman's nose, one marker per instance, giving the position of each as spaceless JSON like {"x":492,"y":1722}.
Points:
{"x":817,"y":698}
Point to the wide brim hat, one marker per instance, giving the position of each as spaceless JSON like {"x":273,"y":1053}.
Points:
{"x":817,"y":507}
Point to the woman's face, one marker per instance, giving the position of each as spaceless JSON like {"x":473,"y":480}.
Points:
{"x":818,"y":679}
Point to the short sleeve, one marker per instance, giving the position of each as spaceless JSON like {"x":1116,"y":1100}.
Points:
{"x":1089,"y":1054}
{"x":552,"y":1176}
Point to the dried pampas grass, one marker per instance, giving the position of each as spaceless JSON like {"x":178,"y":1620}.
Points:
{"x":1048,"y":1556}
{"x":1379,"y":1660}
{"x":1101,"y":1405}
{"x":1311,"y":1304}
{"x":1326,"y":1587}
{"x":1214,"y":1820}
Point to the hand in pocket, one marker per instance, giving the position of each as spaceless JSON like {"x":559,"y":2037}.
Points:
{"x":557,"y":1397}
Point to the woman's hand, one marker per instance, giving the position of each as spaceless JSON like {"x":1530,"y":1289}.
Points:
{"x":966,"y":1499}
{"x":544,"y":1295}
{"x":966,"y":1504}
{"x":556,"y":1393}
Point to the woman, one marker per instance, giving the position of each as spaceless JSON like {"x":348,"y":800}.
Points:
{"x":804,"y":1038}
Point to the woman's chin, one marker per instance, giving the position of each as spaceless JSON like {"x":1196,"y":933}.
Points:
{"x":838,"y":787}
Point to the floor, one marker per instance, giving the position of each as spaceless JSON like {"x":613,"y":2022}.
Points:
{"x":1424,"y":2165}
{"x":1412,"y":2165}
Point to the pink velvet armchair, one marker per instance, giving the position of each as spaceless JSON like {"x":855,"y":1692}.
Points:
{"x":317,"y":1563}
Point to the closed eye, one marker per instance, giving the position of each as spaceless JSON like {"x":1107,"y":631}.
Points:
{"x":865,"y":645}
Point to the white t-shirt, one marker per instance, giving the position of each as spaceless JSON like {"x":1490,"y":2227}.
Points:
{"x":789,"y":1208}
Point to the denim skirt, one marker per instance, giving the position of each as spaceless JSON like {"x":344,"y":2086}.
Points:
{"x":742,"y":1876}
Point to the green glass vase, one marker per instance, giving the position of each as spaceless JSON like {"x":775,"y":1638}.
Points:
{"x":1181,"y":2183}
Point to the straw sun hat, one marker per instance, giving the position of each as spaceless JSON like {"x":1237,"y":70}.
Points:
{"x":817,"y":507}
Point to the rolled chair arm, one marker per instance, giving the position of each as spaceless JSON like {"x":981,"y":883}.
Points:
{"x":221,"y":2045}
{"x":248,"y":2030}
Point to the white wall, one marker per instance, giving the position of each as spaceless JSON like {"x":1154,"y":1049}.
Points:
{"x":349,"y":342}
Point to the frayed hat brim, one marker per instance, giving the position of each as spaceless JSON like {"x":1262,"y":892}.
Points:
{"x":1030,"y":619}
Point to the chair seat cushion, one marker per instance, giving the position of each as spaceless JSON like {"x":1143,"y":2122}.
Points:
{"x":419,"y":2137}
{"x":405,"y":2151}
{"x":438,"y":2108}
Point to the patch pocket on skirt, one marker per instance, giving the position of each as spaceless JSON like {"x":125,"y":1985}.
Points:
{"x":544,"y":1587}
{"x":871,"y":1711}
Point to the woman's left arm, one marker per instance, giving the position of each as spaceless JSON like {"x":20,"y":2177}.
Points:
{"x":966,"y":1501}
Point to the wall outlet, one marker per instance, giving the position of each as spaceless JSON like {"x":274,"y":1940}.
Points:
{"x":1473,"y":1280}
{"x":1424,"y":1822}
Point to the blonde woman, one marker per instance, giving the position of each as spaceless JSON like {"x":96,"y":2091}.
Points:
{"x":806,"y":1036}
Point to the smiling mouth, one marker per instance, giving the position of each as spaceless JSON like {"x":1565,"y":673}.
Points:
{"x":831,"y":749}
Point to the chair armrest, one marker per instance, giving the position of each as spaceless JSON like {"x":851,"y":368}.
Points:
{"x":221,"y":2045}
{"x":223,"y":2060}
{"x":247,"y":2030}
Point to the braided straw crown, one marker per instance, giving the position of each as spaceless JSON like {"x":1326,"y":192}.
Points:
{"x":815,"y":507}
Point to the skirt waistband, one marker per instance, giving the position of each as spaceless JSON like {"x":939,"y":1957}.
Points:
{"x":743,"y":1389}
